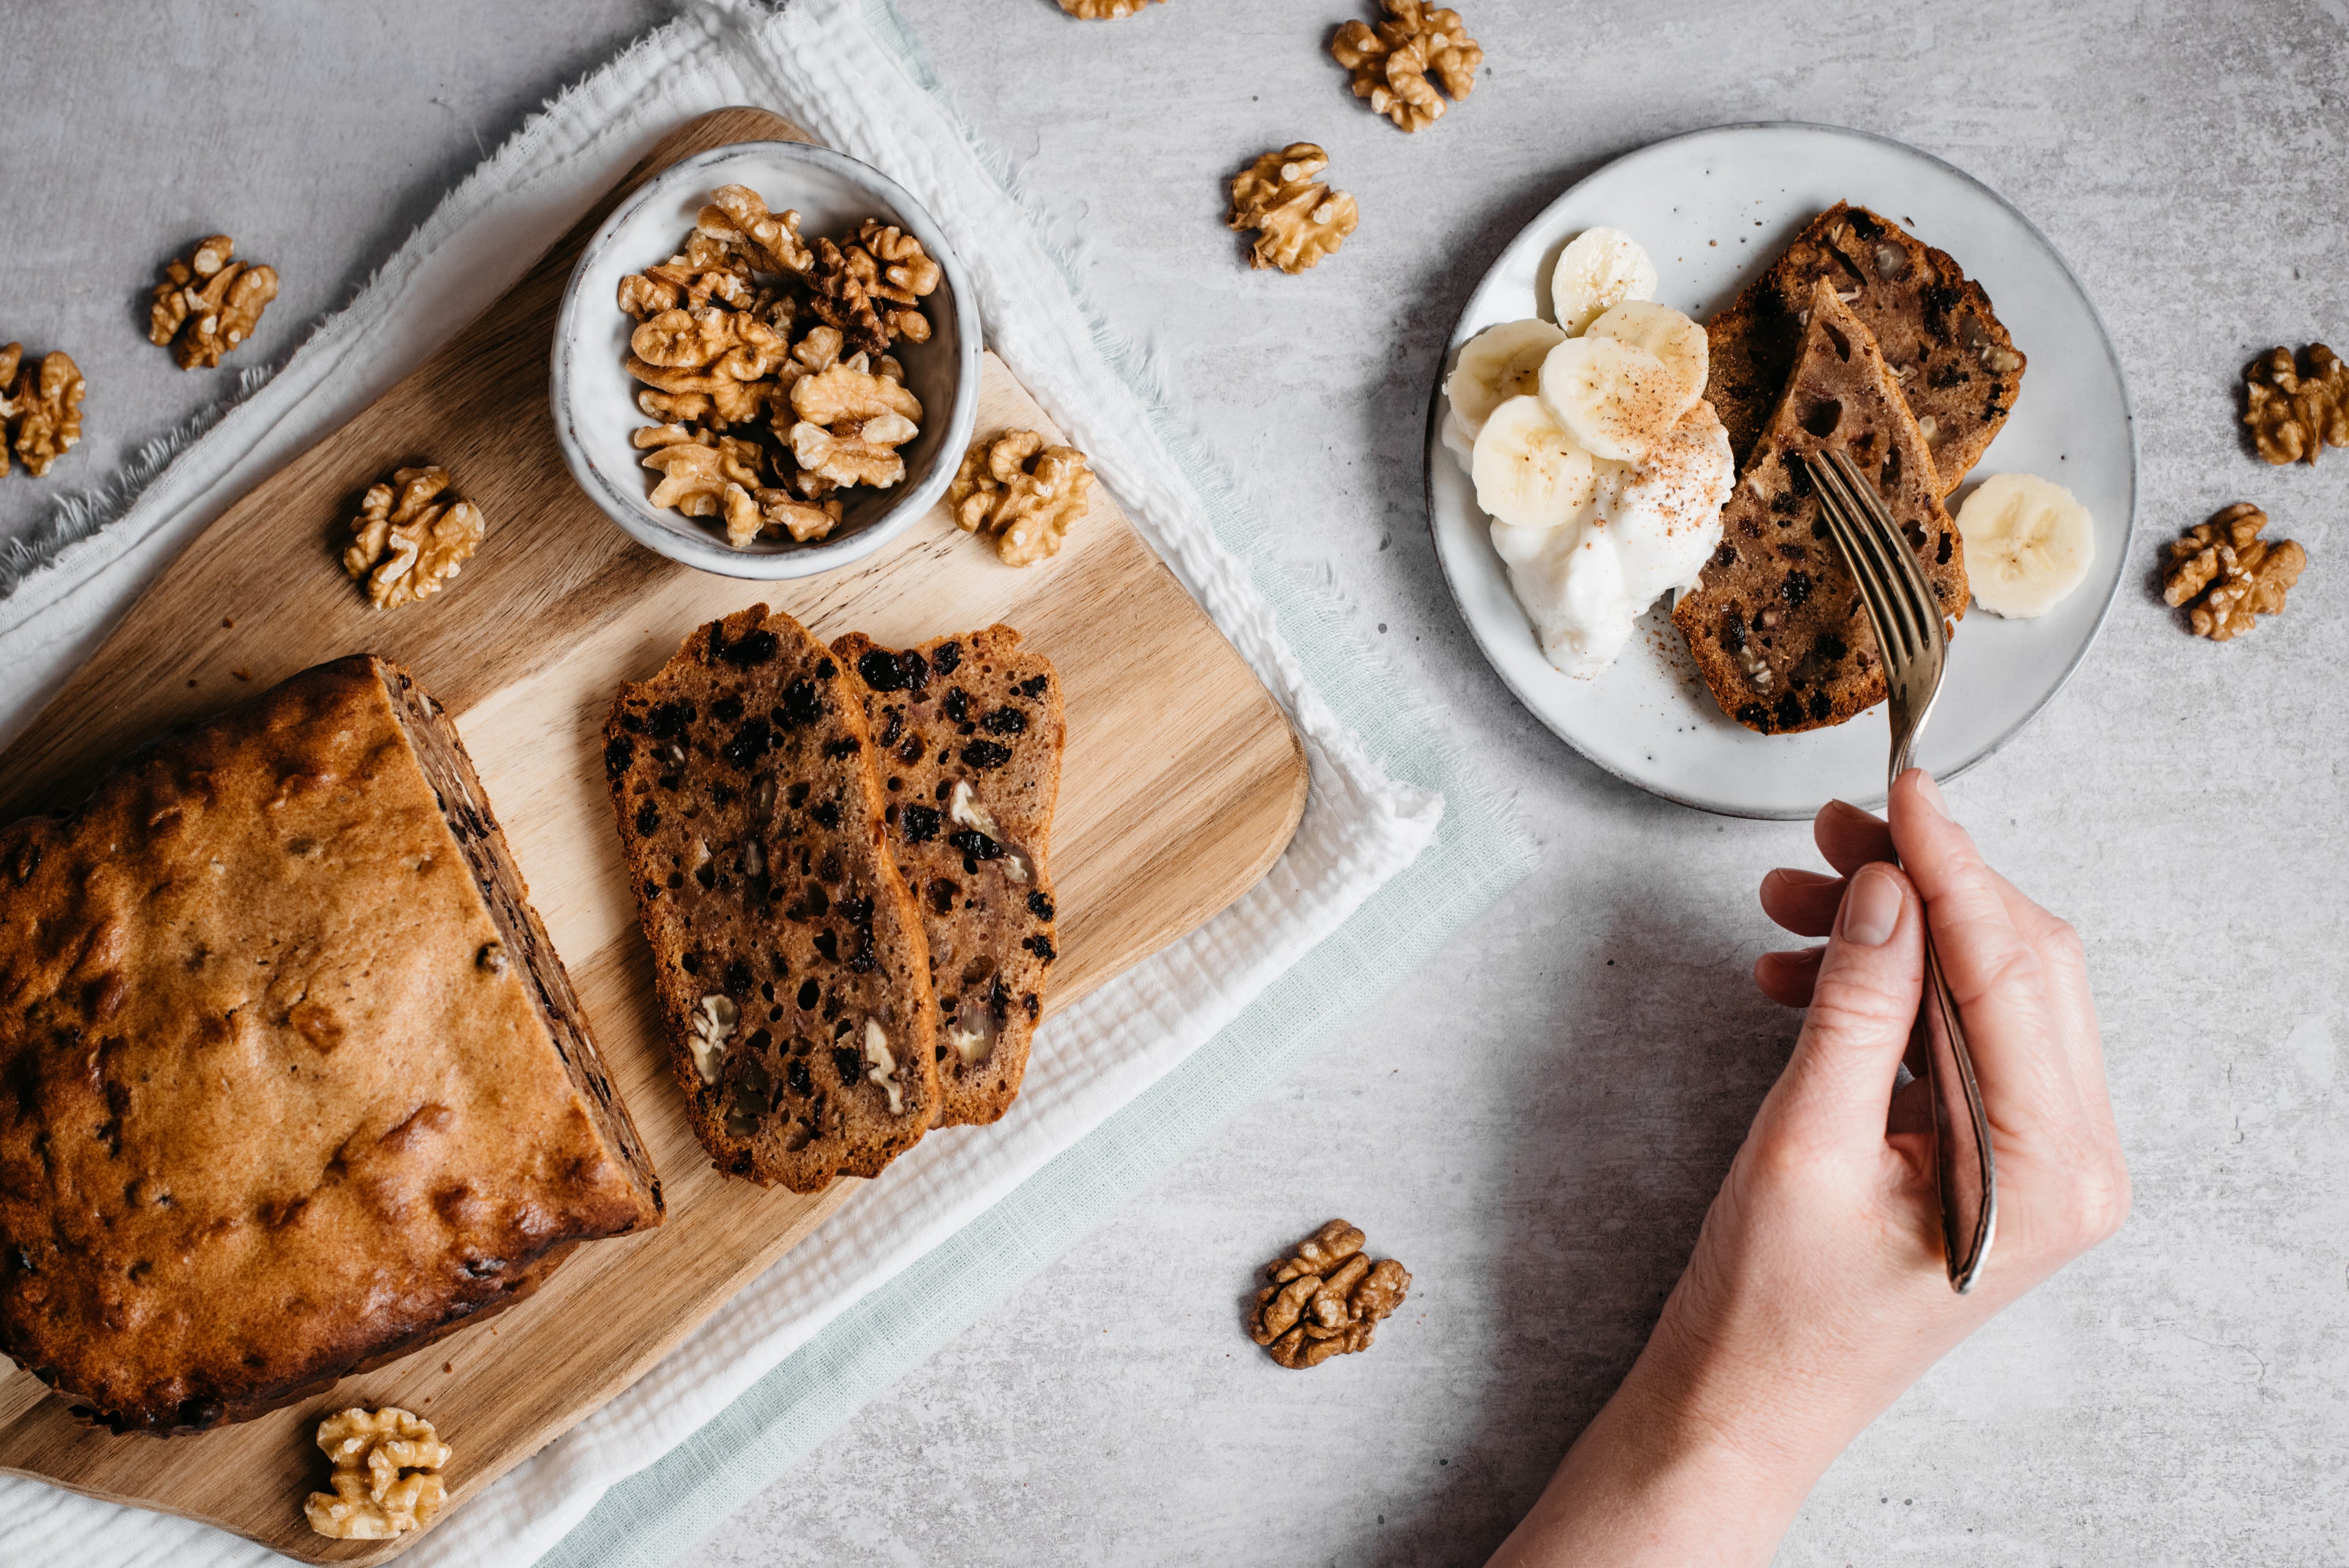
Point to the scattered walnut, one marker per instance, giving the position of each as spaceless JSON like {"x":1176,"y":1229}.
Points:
{"x":387,"y":1478}
{"x":209,"y":302}
{"x":408,"y":544}
{"x":40,"y":413}
{"x":2226,"y":577}
{"x":1021,"y":491}
{"x":1326,"y":1299}
{"x":1298,"y":219}
{"x":2292,"y":414}
{"x":1104,"y":10}
{"x":1392,"y":61}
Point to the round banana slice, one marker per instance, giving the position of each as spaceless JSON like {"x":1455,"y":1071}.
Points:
{"x":1615,"y":397}
{"x":1667,"y":335}
{"x":1496,"y":364}
{"x":2029,"y":543}
{"x":1530,"y":473}
{"x":1601,"y":269}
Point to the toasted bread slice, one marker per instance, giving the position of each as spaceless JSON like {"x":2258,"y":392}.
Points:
{"x":1775,"y":623}
{"x":968,"y":735}
{"x":790,"y":962}
{"x":1954,"y":362}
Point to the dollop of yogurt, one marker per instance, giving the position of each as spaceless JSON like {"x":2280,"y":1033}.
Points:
{"x":1647,"y":530}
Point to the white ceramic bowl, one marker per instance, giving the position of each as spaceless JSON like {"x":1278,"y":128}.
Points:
{"x":595,"y":397}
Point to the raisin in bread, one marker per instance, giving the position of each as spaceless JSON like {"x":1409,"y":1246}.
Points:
{"x":1954,"y":362}
{"x":967,"y":732}
{"x":295,"y":1083}
{"x":1775,"y":622}
{"x":790,"y":963}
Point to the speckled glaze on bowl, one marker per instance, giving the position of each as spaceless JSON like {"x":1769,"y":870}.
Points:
{"x":595,"y":413}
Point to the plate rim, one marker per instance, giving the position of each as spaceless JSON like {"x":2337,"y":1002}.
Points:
{"x":1431,"y":445}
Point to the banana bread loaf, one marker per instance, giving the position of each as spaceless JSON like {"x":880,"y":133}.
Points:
{"x":295,"y":1082}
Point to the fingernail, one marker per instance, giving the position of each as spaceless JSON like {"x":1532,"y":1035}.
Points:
{"x":1796,"y":878}
{"x":1932,"y":793}
{"x":1871,"y":907}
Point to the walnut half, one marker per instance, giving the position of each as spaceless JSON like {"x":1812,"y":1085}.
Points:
{"x":2291,"y":414}
{"x":208,"y":304}
{"x":2226,"y":576}
{"x":387,"y":1479}
{"x":1103,"y":10}
{"x":409,"y":542}
{"x":1325,"y":1299}
{"x":1023,"y":492}
{"x":40,"y":413}
{"x":1298,"y":219}
{"x":1392,"y":62}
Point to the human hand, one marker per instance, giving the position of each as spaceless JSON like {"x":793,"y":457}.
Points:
{"x":1818,"y":1290}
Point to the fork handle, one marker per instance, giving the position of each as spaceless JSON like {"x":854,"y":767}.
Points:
{"x":1961,"y":1146}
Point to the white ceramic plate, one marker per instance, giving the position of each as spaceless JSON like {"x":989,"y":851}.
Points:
{"x":595,"y":413}
{"x":1714,"y":209}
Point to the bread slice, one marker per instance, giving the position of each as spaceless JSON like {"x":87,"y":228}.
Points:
{"x":1775,"y":622}
{"x":295,"y":1083}
{"x":790,"y":963}
{"x":967,"y":733}
{"x":1954,"y":362}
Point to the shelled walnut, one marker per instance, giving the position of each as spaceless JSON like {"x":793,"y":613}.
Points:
{"x":742,"y":343}
{"x":1298,"y":219}
{"x":1325,"y":1299}
{"x":2226,"y":577}
{"x":2292,"y":414}
{"x":1021,"y":493}
{"x":1104,"y":10}
{"x":40,"y":407}
{"x":1392,"y":62}
{"x":409,"y":542}
{"x":387,"y":1479}
{"x":208,"y":304}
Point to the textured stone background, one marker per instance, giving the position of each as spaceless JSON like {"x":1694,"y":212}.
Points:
{"x":1536,"y":1123}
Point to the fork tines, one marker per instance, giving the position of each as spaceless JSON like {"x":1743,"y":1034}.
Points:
{"x":1900,"y":603}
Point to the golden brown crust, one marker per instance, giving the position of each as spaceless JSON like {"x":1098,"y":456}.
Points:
{"x":791,"y":965}
{"x":285,"y":1096}
{"x":1954,"y":362}
{"x":980,"y":713}
{"x":1775,"y":623}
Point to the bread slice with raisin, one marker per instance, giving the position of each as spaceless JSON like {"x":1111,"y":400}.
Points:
{"x":967,"y":733}
{"x":1775,"y":622}
{"x":1954,"y":362}
{"x":790,"y":962}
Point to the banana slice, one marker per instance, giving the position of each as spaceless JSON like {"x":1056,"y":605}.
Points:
{"x":2029,"y":543}
{"x":1667,"y":335}
{"x":1600,"y":269}
{"x":1496,"y":364}
{"x":1615,"y":397}
{"x":1530,"y":473}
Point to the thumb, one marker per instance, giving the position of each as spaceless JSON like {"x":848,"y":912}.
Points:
{"x":1838,"y":1083}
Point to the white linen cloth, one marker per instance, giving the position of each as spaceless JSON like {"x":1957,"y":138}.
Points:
{"x":845,"y":70}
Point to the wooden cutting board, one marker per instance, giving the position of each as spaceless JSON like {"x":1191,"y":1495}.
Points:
{"x":1182,"y":784}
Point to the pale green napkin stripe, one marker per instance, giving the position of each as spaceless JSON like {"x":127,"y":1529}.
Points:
{"x":658,"y":1514}
{"x":1479,"y":852}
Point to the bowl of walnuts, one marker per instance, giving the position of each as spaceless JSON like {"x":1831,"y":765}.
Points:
{"x":765,"y":364}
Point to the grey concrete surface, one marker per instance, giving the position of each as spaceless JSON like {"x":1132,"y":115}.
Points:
{"x":1535,"y":1123}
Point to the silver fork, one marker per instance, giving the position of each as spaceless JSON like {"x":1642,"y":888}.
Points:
{"x":1914,"y":643}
